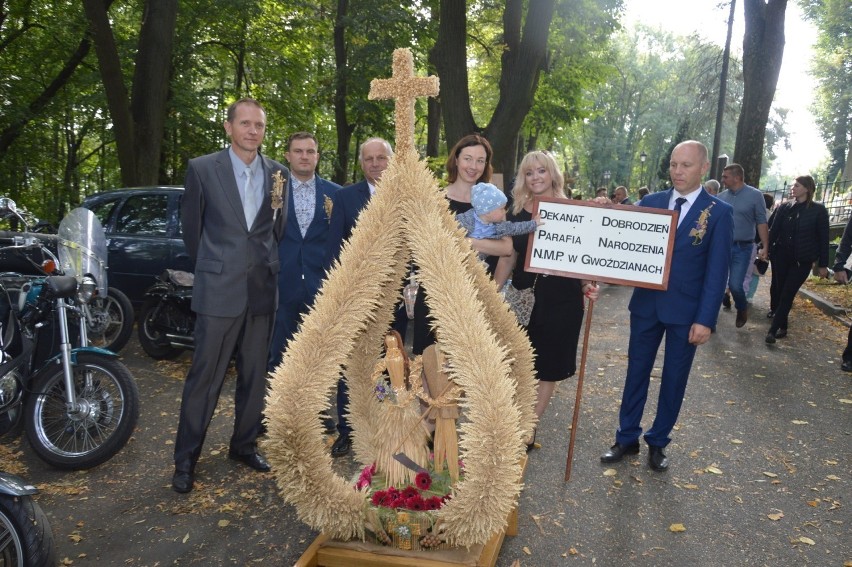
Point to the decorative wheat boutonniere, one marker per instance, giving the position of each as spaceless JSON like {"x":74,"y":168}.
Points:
{"x":278,"y":181}
{"x":328,"y":204}
{"x":701,"y":225}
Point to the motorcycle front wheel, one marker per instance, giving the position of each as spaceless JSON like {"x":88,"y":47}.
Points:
{"x":108,"y":408}
{"x":25,"y":534}
{"x":109,"y":320}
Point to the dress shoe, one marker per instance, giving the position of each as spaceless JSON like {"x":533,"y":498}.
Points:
{"x":617,"y":452}
{"x":657,"y":460}
{"x":846,"y":366}
{"x":780,"y":333}
{"x":726,"y":301}
{"x":742,"y":317}
{"x":770,"y":337}
{"x":254,"y":460}
{"x":182,"y":482}
{"x":770,"y":314}
{"x":342,"y":446}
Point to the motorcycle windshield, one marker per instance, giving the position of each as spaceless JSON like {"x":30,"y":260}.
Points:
{"x":82,"y":247}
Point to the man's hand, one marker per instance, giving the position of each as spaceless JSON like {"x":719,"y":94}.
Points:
{"x":763,"y":254}
{"x":699,"y":334}
{"x":840,"y":276}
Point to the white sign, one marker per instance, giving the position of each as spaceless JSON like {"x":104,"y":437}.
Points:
{"x":619,"y":244}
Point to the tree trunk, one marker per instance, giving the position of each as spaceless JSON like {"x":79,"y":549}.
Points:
{"x":720,"y":106}
{"x":523,"y":58}
{"x":138,"y":122}
{"x":433,"y":127}
{"x":344,"y":129}
{"x":449,"y":57}
{"x":763,"y":50}
{"x":151,"y":87}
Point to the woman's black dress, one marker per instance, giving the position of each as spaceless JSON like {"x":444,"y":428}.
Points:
{"x":557,"y":316}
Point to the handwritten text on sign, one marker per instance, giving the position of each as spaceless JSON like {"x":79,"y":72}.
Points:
{"x":608,"y":243}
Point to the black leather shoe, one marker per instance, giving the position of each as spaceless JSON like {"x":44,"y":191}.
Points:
{"x":726,"y":301}
{"x":770,"y":314}
{"x":182,"y":482}
{"x":846,"y":366}
{"x":617,"y":452}
{"x":770,"y":337}
{"x":254,"y":460}
{"x":657,"y":460}
{"x":742,"y":317}
{"x":780,"y":333}
{"x":342,"y":446}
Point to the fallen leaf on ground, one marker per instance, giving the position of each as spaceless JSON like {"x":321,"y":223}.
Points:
{"x":807,"y":540}
{"x":800,"y":422}
{"x":776,"y":516}
{"x":714,"y":470}
{"x":737,"y":441}
{"x":675,"y":528}
{"x":832,"y":477}
{"x":224,"y":523}
{"x":770,"y":474}
{"x":527,"y":550}
{"x":610,"y":472}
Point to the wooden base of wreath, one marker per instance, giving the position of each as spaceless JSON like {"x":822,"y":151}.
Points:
{"x":322,"y":554}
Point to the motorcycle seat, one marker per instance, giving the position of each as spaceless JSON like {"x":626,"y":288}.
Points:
{"x":178,"y":277}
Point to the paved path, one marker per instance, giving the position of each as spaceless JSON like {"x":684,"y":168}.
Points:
{"x":761,"y":469}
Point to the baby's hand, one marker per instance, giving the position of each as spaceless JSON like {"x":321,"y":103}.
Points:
{"x":537,"y":219}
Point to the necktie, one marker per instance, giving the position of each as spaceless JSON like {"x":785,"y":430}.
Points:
{"x":250,"y":200}
{"x":678,"y":204}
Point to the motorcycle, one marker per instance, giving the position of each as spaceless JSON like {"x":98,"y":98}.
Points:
{"x":109,"y":317}
{"x":25,"y":534}
{"x":166,"y":320}
{"x":79,"y":405}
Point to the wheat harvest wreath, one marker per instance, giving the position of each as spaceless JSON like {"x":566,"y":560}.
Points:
{"x":488,"y":358}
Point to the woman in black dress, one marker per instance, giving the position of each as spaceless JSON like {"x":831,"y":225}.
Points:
{"x":469,"y":163}
{"x":798,"y":237}
{"x":554,"y":327}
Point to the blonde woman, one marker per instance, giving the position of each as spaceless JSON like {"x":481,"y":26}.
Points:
{"x":554,"y":327}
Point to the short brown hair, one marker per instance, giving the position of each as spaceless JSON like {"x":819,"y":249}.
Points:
{"x":736,"y":169}
{"x":232,"y":110}
{"x":301,"y":136}
{"x":808,"y":183}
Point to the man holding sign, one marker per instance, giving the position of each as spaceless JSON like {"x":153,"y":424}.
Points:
{"x":685,"y":312}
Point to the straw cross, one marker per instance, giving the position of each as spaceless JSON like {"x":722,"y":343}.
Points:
{"x":404,"y":87}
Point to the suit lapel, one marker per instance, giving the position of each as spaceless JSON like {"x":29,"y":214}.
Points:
{"x":695,"y":210}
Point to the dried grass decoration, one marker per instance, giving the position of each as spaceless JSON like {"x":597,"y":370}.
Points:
{"x":489,"y":358}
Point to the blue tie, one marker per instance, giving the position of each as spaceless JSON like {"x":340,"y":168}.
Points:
{"x":678,"y":204}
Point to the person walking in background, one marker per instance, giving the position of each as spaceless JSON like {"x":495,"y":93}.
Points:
{"x":685,"y":312}
{"x":711,"y":186}
{"x":643,"y":192}
{"x":798,"y":237}
{"x":346,"y":205}
{"x":231,"y":233}
{"x":302,"y":250}
{"x":754,"y":274}
{"x":621,"y":196}
{"x":557,"y":316}
{"x":841,"y":275}
{"x":749,"y":214}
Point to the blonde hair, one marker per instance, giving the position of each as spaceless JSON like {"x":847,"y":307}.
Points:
{"x":521,"y":192}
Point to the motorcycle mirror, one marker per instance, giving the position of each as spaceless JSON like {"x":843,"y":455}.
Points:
{"x":7,"y":204}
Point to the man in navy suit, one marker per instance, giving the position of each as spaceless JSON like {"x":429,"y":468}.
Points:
{"x":373,"y":156}
{"x":302,"y":250}
{"x":685,"y":312}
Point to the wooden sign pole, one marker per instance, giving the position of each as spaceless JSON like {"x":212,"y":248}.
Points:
{"x":579,"y":395}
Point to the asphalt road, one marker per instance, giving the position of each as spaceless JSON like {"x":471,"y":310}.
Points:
{"x":761,"y":468}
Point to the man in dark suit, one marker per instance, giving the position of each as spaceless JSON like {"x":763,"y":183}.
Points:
{"x":231,"y":232}
{"x":685,"y":312}
{"x":621,"y":197}
{"x":373,"y":156}
{"x":302,"y":250}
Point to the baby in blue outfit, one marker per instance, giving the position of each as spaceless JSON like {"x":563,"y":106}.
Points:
{"x":487,"y":218}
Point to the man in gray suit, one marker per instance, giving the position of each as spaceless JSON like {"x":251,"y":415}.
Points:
{"x":231,"y":233}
